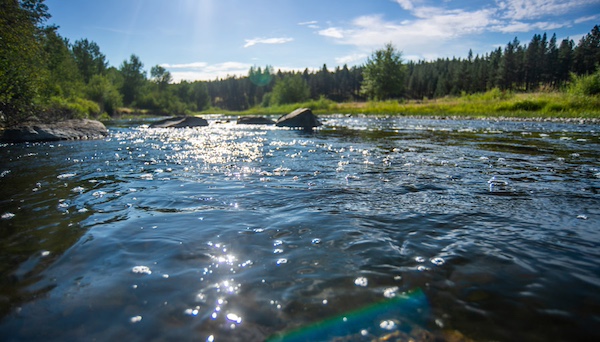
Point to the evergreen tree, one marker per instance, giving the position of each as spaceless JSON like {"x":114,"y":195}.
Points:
{"x":90,"y":61}
{"x":134,"y":78}
{"x":384,"y":74}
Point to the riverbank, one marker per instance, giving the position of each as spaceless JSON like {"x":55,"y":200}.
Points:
{"x":493,"y":104}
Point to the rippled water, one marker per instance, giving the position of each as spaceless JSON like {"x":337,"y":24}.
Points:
{"x":368,"y":228}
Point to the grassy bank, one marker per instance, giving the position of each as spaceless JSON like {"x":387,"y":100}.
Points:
{"x":491,"y":104}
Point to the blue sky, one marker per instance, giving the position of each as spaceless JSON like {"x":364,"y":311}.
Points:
{"x":205,"y":39}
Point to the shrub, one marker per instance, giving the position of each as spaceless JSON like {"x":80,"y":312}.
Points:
{"x":585,"y":85}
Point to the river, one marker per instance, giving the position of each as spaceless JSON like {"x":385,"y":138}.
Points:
{"x":367,"y":228}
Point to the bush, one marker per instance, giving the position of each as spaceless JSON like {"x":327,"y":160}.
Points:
{"x":586,"y":85}
{"x":59,"y":108}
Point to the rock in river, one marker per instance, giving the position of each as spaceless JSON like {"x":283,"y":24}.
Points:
{"x":300,"y":118}
{"x":63,"y":130}
{"x":254,"y":120}
{"x":179,"y":122}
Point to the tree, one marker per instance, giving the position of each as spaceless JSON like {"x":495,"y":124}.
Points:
{"x":63,"y":78}
{"x":101,"y":90}
{"x":384,"y":74}
{"x":90,"y":61}
{"x":134,"y":78}
{"x":160,"y":76}
{"x":21,"y":64}
{"x":290,"y":89}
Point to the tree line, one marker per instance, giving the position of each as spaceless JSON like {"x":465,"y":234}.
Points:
{"x":45,"y":75}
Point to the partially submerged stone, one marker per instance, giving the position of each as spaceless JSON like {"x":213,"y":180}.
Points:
{"x":300,"y":118}
{"x":180,"y":122}
{"x":254,"y":120}
{"x":64,"y":130}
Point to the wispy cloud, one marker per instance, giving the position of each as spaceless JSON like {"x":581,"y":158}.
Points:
{"x":203,"y":71}
{"x":586,"y":19}
{"x":252,"y":42}
{"x":534,"y":9}
{"x":332,"y":32}
{"x":406,"y":4}
{"x":446,"y":27}
{"x":193,"y":65}
{"x":518,"y":26}
{"x":306,"y":23}
{"x":351,"y":59}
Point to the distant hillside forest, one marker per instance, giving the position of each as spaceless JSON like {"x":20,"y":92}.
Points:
{"x":45,"y":75}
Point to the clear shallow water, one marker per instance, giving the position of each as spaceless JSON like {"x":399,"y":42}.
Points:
{"x":402,"y":227}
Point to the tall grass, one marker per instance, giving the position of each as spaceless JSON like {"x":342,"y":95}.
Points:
{"x":493,"y":103}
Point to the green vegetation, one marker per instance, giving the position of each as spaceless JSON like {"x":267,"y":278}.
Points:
{"x":43,"y":75}
{"x":384,"y":74}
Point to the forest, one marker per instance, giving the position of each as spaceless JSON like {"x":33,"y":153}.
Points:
{"x":44,"y":75}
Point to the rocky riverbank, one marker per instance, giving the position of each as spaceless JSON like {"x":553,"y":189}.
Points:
{"x":75,"y":129}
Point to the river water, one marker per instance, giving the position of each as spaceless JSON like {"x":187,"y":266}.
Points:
{"x":368,"y":228}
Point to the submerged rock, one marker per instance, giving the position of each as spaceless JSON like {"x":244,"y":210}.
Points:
{"x":64,"y":130}
{"x":300,"y":118}
{"x":180,"y":122}
{"x":254,"y":120}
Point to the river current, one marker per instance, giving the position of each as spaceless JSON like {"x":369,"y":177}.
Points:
{"x":365,"y":229}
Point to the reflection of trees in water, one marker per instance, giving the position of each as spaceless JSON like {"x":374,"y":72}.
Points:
{"x":46,"y":221}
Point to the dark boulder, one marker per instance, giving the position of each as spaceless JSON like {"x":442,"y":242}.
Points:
{"x":180,"y":122}
{"x":300,"y":118}
{"x":254,"y":120}
{"x":64,"y":130}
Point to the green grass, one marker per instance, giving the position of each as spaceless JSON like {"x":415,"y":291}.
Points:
{"x":555,"y":105}
{"x":494,"y":103}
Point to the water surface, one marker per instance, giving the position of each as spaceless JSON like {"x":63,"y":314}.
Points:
{"x":232,"y":232}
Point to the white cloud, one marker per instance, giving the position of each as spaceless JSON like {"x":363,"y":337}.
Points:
{"x":203,"y":71}
{"x":518,"y":26}
{"x":350,"y":59}
{"x":307,"y":23}
{"x":585,"y":19}
{"x":332,"y":32}
{"x":431,"y":26}
{"x":533,"y":9}
{"x":252,"y":42}
{"x":406,"y":4}
{"x":445,"y":29}
{"x":194,"y":65}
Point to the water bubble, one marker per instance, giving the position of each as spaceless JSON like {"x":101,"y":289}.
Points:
{"x":387,"y":325}
{"x":66,"y":175}
{"x":390,"y":292}
{"x":234,"y":318}
{"x":282,"y":261}
{"x":45,"y":253}
{"x":192,"y":312}
{"x":419,"y":259}
{"x":141,"y":269}
{"x":7,"y":216}
{"x":135,"y":319}
{"x":437,"y":261}
{"x":79,"y":189}
{"x":361,"y":281}
{"x":316,"y":241}
{"x":582,"y":217}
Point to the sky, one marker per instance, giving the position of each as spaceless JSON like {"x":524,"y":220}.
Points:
{"x":209,"y":39}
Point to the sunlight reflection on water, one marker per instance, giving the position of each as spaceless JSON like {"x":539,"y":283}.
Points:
{"x":230,"y":232}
